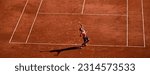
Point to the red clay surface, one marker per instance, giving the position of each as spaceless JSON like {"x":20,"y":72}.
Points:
{"x":42,"y":30}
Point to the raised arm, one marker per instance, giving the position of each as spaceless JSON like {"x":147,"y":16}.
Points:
{"x":81,"y":24}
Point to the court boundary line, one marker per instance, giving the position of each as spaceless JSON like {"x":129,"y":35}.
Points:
{"x":143,"y":23}
{"x":92,"y":45}
{"x":127,"y":26}
{"x":34,"y":21}
{"x":41,"y":13}
{"x":83,"y":6}
{"x":17,"y":24}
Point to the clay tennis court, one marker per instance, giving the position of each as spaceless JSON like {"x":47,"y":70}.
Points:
{"x":50,"y":28}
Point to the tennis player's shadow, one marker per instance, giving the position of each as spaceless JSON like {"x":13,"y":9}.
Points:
{"x":58,"y":51}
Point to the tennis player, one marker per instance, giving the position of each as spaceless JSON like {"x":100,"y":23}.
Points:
{"x":83,"y":35}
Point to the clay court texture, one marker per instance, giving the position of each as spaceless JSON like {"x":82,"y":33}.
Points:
{"x":41,"y":28}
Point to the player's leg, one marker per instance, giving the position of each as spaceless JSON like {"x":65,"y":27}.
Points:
{"x":86,"y":40}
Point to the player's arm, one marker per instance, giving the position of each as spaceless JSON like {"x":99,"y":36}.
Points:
{"x":81,"y":24}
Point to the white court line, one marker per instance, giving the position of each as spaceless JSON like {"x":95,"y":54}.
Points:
{"x":34,"y":21}
{"x":143,"y":22}
{"x":91,"y":45}
{"x":59,"y":13}
{"x":104,"y":14}
{"x":18,"y":21}
{"x":83,"y":7}
{"x":127,"y":27}
{"x":81,"y":14}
